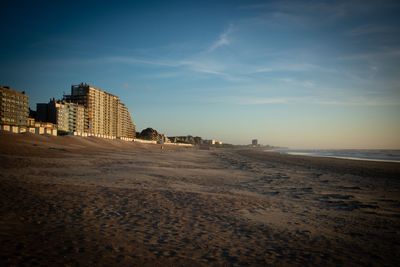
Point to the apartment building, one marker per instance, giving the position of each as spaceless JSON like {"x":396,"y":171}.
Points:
{"x":125,"y":126}
{"x":69,"y":117}
{"x":14,"y":107}
{"x":106,"y":115}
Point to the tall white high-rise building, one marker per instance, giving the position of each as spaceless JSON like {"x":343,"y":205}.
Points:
{"x":106,"y":115}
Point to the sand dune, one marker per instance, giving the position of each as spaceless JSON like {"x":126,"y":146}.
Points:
{"x":89,"y":201}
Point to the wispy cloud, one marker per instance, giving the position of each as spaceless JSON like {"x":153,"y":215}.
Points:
{"x":248,"y":100}
{"x":365,"y":100}
{"x":297,"y":82}
{"x":223,"y":39}
{"x":134,"y":60}
{"x":203,"y":66}
{"x":163,"y":74}
{"x":377,"y":54}
{"x":290,"y":67}
{"x":357,"y":102}
{"x":307,"y":13}
{"x":198,"y":65}
{"x":370,"y":29}
{"x":261,"y":100}
{"x":309,"y":100}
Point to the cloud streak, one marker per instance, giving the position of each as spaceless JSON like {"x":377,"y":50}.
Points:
{"x":370,"y":29}
{"x":134,"y":60}
{"x":196,"y":65}
{"x":308,"y":100}
{"x":378,"y":54}
{"x":261,"y":100}
{"x":291,"y":67}
{"x":224,"y":39}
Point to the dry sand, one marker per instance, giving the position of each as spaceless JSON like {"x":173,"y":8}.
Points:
{"x":87,"y":201}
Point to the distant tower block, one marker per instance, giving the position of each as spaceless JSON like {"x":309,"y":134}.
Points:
{"x":254,"y":142}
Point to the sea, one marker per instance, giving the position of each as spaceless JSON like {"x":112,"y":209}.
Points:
{"x":355,"y":154}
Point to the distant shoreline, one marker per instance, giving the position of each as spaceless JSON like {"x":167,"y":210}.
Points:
{"x":374,"y":155}
{"x":350,"y":158}
{"x":334,"y":165}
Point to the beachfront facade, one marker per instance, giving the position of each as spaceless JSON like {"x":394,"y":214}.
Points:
{"x":69,"y":117}
{"x":14,"y":107}
{"x":106,"y":115}
{"x":125,"y":126}
{"x":14,"y":114}
{"x":212,"y":142}
{"x":38,"y":127}
{"x":194,"y":140}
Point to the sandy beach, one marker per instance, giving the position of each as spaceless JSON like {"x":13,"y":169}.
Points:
{"x":93,"y":202}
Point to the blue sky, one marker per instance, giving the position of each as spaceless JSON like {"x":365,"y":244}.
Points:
{"x":303,"y":74}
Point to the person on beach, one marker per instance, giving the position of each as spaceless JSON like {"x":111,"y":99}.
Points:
{"x":162,"y":144}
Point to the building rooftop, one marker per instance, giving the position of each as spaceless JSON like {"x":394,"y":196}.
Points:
{"x":92,"y":86}
{"x":6,"y":87}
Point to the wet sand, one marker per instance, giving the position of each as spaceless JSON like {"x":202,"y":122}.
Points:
{"x":83,"y":202}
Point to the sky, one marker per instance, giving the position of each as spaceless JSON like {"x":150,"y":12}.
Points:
{"x":299,"y":74}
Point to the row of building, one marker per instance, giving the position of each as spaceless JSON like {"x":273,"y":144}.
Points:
{"x":87,"y":111}
{"x":194,"y":140}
